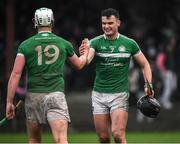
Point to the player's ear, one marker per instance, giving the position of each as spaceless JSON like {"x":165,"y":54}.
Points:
{"x":118,"y":22}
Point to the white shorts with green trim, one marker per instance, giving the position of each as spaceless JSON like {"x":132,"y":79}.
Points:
{"x":105,"y":103}
{"x":43,"y":107}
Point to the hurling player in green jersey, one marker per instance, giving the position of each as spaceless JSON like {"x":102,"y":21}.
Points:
{"x":44,"y":56}
{"x":112,"y":52}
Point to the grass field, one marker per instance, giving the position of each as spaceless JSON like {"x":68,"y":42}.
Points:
{"x":132,"y":137}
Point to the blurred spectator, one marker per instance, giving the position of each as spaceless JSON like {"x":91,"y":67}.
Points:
{"x":165,"y":62}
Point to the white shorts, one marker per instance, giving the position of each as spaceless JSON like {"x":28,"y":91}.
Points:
{"x":105,"y":103}
{"x":43,"y":107}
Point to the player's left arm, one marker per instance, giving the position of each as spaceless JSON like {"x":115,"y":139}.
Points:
{"x":147,"y":73}
{"x":13,"y":84}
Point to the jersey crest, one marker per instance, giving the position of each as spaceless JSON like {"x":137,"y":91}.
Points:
{"x":122,"y":48}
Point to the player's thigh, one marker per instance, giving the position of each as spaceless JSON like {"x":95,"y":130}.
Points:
{"x":59,"y":129}
{"x":56,"y":107}
{"x":34,"y":131}
{"x":102,"y":123}
{"x":119,"y":119}
{"x":99,"y":103}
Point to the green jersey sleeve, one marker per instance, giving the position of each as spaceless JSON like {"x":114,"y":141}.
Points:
{"x":69,"y":49}
{"x":21,"y":49}
{"x":93,"y":43}
{"x":135,"y":48}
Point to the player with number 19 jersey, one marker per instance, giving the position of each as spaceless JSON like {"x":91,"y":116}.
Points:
{"x":45,"y":55}
{"x":112,"y":58}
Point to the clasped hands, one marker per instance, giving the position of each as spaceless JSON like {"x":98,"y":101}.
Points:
{"x":84,"y":47}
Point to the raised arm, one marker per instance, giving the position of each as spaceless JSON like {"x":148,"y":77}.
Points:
{"x":90,"y":55}
{"x":91,"y":51}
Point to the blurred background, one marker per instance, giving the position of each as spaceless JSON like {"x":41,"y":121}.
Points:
{"x":153,"y":24}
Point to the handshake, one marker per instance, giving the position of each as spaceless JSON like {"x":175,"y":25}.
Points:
{"x":84,"y":47}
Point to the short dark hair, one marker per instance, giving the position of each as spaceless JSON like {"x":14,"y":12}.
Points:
{"x":109,"y":12}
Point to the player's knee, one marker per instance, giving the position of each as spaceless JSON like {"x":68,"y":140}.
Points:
{"x":119,"y":136}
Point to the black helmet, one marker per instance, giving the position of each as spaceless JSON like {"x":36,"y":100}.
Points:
{"x":149,"y":106}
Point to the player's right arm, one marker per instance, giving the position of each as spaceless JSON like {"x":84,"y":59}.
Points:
{"x":91,"y":51}
{"x":13,"y":84}
{"x":90,"y":55}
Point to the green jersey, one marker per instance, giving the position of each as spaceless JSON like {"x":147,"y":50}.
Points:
{"x":112,"y":58}
{"x":45,"y":55}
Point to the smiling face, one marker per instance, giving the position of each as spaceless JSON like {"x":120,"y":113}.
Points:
{"x":110,"y":26}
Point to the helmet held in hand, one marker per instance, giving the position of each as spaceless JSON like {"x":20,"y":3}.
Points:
{"x":149,"y":106}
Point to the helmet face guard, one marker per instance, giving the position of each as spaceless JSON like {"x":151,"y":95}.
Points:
{"x":149,"y":106}
{"x":43,"y":17}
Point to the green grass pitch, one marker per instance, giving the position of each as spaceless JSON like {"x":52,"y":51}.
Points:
{"x":132,"y":137}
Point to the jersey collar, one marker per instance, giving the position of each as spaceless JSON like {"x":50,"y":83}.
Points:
{"x":44,"y":32}
{"x":114,"y":39}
